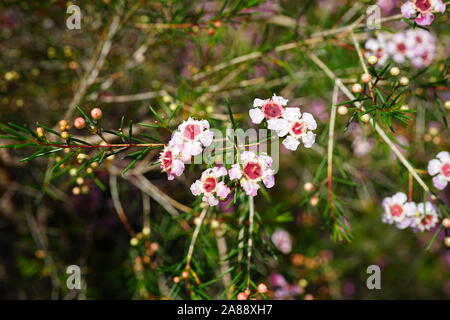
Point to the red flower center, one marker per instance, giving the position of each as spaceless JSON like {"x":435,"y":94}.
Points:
{"x":446,"y":170}
{"x":401,"y":47}
{"x":272,"y":110}
{"x":298,"y":128}
{"x":167,"y":160}
{"x":191,"y":131}
{"x":419,"y":39}
{"x":423,"y":5}
{"x":209,"y":184}
{"x":426,"y":220}
{"x":396,"y":210}
{"x":253,"y":170}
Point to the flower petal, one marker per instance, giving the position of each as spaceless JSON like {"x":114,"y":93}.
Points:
{"x":292,"y":114}
{"x":309,"y":139}
{"x":235,"y":172}
{"x":425,"y":19}
{"x":256,"y":115}
{"x":258,"y":102}
{"x":434,"y":167}
{"x":309,"y":120}
{"x":196,"y":188}
{"x":440,"y":182}
{"x":291,"y":143}
{"x":408,"y":10}
{"x":222,"y":190}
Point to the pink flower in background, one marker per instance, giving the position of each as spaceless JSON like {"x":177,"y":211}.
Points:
{"x":422,"y":10}
{"x":251,"y":170}
{"x":210,"y":187}
{"x":282,"y":289}
{"x":171,"y":162}
{"x":397,"y":47}
{"x":272,"y":108}
{"x":388,"y":6}
{"x":423,"y":215}
{"x":421,"y":47}
{"x":440,"y":169}
{"x":191,"y":135}
{"x":282,"y":240}
{"x":296,"y":126}
{"x":395,"y":210}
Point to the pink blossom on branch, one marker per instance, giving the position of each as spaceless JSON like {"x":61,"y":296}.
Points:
{"x":272,"y":108}
{"x":170,"y":161}
{"x":251,"y":170}
{"x":191,"y":136}
{"x":395,"y":210}
{"x":422,"y":10}
{"x":210,"y":186}
{"x":440,"y":169}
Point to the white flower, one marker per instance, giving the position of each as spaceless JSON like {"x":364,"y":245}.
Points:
{"x":397,"y":47}
{"x":282,"y":240}
{"x":440,"y":169}
{"x":395,"y":210}
{"x":192,"y":135}
{"x":296,"y":126}
{"x":210,"y":187}
{"x":377,"y":47}
{"x":270,"y":108}
{"x":423,"y":215}
{"x":252,"y":169}
{"x":170,"y":161}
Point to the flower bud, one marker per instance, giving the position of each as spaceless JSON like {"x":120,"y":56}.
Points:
{"x":447,"y":241}
{"x":365,"y":118}
{"x":76,"y":191}
{"x":447,"y":104}
{"x":65,"y":135}
{"x":134,"y":242}
{"x":404,"y":81}
{"x":308,"y":186}
{"x":395,"y":71}
{"x":241,"y":296}
{"x":176,"y":279}
{"x":356,"y":88}
{"x":40,"y":132}
{"x":366,"y":77}
{"x":79,"y":123}
{"x":342,"y":110}
{"x":262,"y":288}
{"x":446,"y":223}
{"x":79,"y":181}
{"x":372,"y":60}
{"x":314,"y":201}
{"x":96,"y":113}
{"x":73,"y":172}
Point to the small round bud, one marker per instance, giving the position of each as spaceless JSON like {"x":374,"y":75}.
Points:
{"x":96,"y":113}
{"x":89,"y":170}
{"x":211,"y":31}
{"x":366,"y":77}
{"x":342,"y":110}
{"x":79,"y":181}
{"x":65,"y":135}
{"x":73,"y":172}
{"x":241,"y":296}
{"x":365,"y":118}
{"x":195,"y":29}
{"x":404,"y":81}
{"x":404,"y":107}
{"x":184,"y":274}
{"x":134,"y":242}
{"x":40,"y":132}
{"x":395,"y":71}
{"x":76,"y":191}
{"x":79,"y":123}
{"x":447,"y":241}
{"x":262,"y":288}
{"x":146,"y":231}
{"x":215,"y":224}
{"x":166,"y":99}
{"x":356,"y":88}
{"x":154,"y":246}
{"x":197,"y":221}
{"x":372,"y":60}
{"x":447,"y":104}
{"x":303,"y":283}
{"x":446,"y":223}
{"x":62,"y":123}
{"x":314,"y":201}
{"x":308,"y":186}
{"x":94,"y":165}
{"x":81,"y":157}
{"x":176,"y":279}
{"x":58,"y":158}
{"x":217,"y":24}
{"x":247,"y":292}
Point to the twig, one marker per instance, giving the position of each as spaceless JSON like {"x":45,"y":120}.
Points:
{"x":330,"y":148}
{"x":251,"y":216}
{"x":118,"y":205}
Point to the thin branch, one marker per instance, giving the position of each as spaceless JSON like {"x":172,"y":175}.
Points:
{"x":251,"y":216}
{"x":330,"y":148}
{"x":118,"y":205}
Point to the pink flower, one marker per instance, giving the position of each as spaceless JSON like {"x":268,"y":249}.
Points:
{"x":397,"y":47}
{"x":440,"y":169}
{"x":422,"y":10}
{"x":272,"y":108}
{"x":421,"y":47}
{"x":395,"y":210}
{"x":210,"y":187}
{"x":192,"y":135}
{"x":282,"y":240}
{"x":252,"y":169}
{"x":423,"y":216}
{"x":295,"y":126}
{"x":171,"y":163}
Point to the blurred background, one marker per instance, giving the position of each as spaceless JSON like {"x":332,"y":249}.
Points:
{"x":170,"y":55}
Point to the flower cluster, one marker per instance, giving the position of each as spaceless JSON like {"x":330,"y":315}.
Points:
{"x":416,"y":45}
{"x":282,"y":240}
{"x":422,"y":10}
{"x":187,"y":141}
{"x":440,"y":169}
{"x":398,"y":210}
{"x":286,"y":122}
